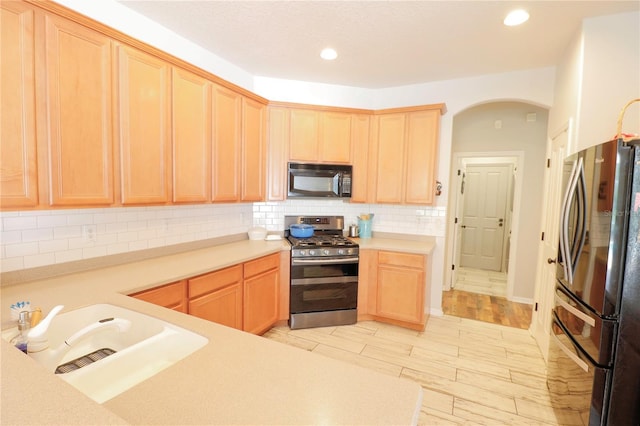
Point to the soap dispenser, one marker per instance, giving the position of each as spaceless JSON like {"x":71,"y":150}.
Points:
{"x":24,"y":325}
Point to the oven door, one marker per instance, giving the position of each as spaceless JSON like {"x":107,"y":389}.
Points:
{"x":319,"y":285}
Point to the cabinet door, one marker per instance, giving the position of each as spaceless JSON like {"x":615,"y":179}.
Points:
{"x":400,"y":287}
{"x":253,"y":150}
{"x":79,"y":118}
{"x":226,"y":144}
{"x":18,"y":166}
{"x":261,"y":302}
{"x":422,"y":143}
{"x":335,"y":138}
{"x":222,"y":306}
{"x":191,"y":118}
{"x":303,"y":138}
{"x":389,"y":151}
{"x":144,"y":132}
{"x":172,"y":296}
{"x":277,"y":153}
{"x":217,"y":296}
{"x":360,"y":158}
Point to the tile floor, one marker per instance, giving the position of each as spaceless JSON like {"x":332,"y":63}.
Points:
{"x":480,"y":281}
{"x":471,"y":372}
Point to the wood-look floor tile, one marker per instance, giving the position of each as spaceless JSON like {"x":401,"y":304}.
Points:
{"x":477,"y":414}
{"x":431,"y":417}
{"x":373,"y":340}
{"x":471,"y":372}
{"x":322,"y":336}
{"x":547,"y":414}
{"x":437,"y":401}
{"x":362,"y":361}
{"x":461,"y":390}
{"x":425,"y":366}
{"x":288,"y":339}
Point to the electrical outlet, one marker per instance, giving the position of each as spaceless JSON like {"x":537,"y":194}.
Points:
{"x":89,"y":233}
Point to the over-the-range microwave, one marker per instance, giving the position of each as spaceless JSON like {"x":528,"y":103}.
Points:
{"x":319,"y":180}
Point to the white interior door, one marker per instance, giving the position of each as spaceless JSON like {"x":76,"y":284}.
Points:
{"x":545,"y":284}
{"x":483,"y":218}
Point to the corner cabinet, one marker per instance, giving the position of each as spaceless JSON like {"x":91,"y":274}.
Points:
{"x":393,"y":288}
{"x":403,"y":156}
{"x":18,"y":163}
{"x":171,"y":296}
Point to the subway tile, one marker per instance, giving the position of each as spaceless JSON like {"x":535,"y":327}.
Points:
{"x":68,"y":255}
{"x":11,"y":264}
{"x":53,"y":246}
{"x":19,"y":223}
{"x":33,"y":261}
{"x":21,"y":249}
{"x":10,"y":237}
{"x":51,"y":221}
{"x":39,"y":234}
{"x":90,"y":252}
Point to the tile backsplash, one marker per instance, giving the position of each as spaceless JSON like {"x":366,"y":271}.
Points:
{"x":30,"y":239}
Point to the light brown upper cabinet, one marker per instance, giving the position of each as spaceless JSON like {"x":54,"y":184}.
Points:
{"x":254,"y":119}
{"x":319,"y":136}
{"x":335,"y":137}
{"x":277,"y":153}
{"x":227,"y":110}
{"x":18,"y":165}
{"x":78,"y":82}
{"x":360,"y":157}
{"x":191,"y":130}
{"x":144,"y":132}
{"x":402,"y":158}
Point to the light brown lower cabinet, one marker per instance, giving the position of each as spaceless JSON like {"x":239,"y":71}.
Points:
{"x":393,"y":288}
{"x":217,"y":296}
{"x":172,"y":296}
{"x":261,"y":292}
{"x":244,"y":296}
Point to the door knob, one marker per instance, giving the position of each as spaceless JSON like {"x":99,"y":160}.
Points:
{"x":550,"y":260}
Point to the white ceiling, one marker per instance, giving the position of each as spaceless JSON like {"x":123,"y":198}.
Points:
{"x":379,"y":43}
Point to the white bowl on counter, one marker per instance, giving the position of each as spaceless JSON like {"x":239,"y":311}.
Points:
{"x":257,"y":233}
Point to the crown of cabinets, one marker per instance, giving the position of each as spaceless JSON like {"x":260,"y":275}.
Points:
{"x":91,"y":121}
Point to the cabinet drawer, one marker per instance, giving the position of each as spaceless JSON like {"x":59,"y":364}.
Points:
{"x":169,"y":296}
{"x":401,"y":259}
{"x":261,"y":265}
{"x":214,"y":281}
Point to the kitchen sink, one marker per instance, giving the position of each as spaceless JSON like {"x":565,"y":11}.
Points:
{"x":129,"y":355}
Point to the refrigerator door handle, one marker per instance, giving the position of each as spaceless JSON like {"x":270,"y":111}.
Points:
{"x":575,"y":311}
{"x":581,"y":227}
{"x":565,"y":250}
{"x":570,"y":354}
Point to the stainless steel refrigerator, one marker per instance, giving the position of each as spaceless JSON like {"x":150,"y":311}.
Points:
{"x":594,"y":363}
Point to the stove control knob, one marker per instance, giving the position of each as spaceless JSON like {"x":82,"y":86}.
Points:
{"x":303,"y":252}
{"x":312,"y":252}
{"x":340,"y":252}
{"x":325,"y":252}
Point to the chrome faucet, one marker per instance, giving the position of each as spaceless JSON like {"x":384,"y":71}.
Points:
{"x":38,"y":341}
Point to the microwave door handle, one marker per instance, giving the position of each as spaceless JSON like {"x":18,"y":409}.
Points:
{"x":564,"y":227}
{"x":339,"y":177}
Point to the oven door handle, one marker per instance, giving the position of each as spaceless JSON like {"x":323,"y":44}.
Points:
{"x":324,"y":261}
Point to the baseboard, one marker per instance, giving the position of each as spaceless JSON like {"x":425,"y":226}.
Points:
{"x":436,"y":312}
{"x":525,"y":300}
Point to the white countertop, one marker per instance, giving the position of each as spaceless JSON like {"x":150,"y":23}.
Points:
{"x":237,"y":378}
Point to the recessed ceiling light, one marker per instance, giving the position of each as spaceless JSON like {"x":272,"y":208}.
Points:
{"x":516,"y":17}
{"x":328,"y":54}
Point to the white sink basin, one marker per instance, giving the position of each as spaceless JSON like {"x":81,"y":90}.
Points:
{"x":150,"y":345}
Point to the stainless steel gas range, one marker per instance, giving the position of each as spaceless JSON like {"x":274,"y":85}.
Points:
{"x":324,"y":274}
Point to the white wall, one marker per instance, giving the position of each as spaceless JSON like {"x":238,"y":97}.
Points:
{"x":474,"y":131}
{"x":611,"y":77}
{"x":598,"y":74}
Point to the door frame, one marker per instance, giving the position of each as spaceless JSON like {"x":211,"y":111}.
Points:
{"x":458,"y":159}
